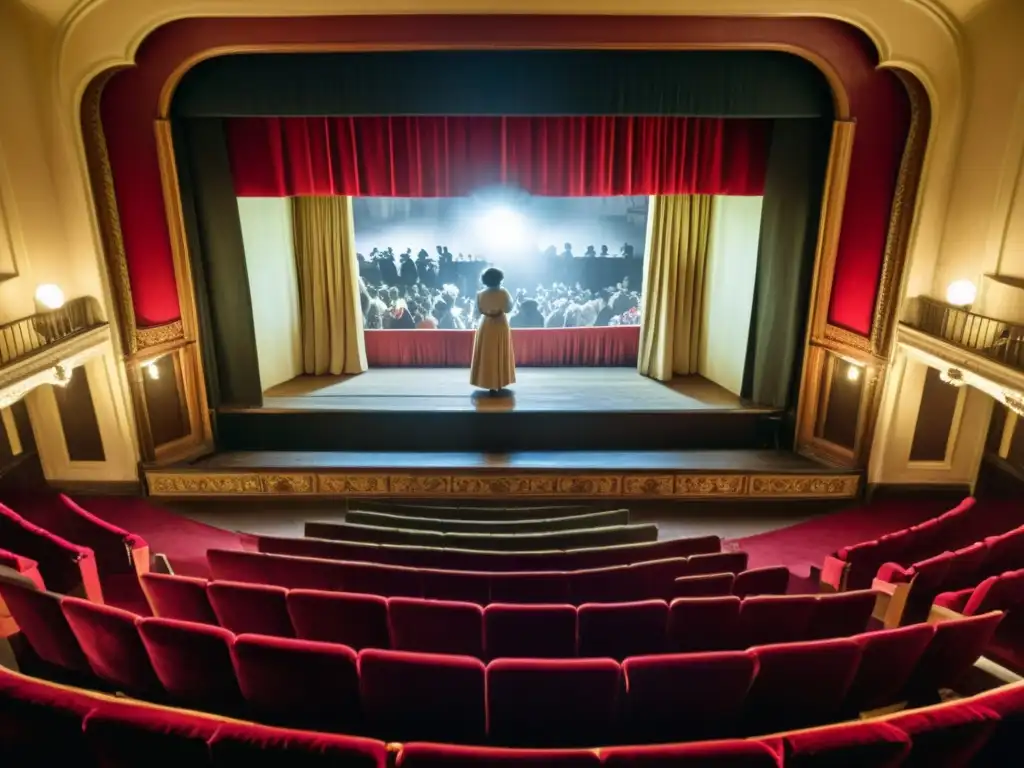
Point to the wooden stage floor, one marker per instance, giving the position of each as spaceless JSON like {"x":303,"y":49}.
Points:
{"x":606,"y":390}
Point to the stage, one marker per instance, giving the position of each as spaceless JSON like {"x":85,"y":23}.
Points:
{"x":559,"y":433}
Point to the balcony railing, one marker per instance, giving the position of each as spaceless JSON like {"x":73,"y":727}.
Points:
{"x":23,"y":338}
{"x":995,"y":339}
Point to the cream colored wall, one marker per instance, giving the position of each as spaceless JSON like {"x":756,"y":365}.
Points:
{"x":273,"y":285}
{"x":729,"y":290}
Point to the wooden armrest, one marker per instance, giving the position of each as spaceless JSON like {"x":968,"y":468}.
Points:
{"x":938,"y":614}
{"x":890,"y":603}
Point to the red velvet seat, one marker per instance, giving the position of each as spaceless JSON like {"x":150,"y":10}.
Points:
{"x":463,"y":586}
{"x":448,"y":756}
{"x":358,"y":621}
{"x":279,"y":570}
{"x":254,"y":608}
{"x":1005,"y":552}
{"x":840,"y":615}
{"x":527,"y":587}
{"x":688,"y":696}
{"x":125,"y":735}
{"x":1000,"y":593}
{"x":709,"y":585}
{"x":947,"y":735}
{"x":384,"y":580}
{"x":529,"y":631}
{"x":601,"y":585}
{"x":24,"y":566}
{"x":298,"y":683}
{"x":952,"y":652}
{"x":653,"y":579}
{"x":552,"y":703}
{"x":716,"y":562}
{"x":769,"y":619}
{"x":422,"y":696}
{"x":256,"y":746}
{"x":67,"y":568}
{"x":109,"y":637}
{"x":178,"y":597}
{"x":40,"y":724}
{"x":1003,"y":746}
{"x":618,"y":630}
{"x":888,"y":657}
{"x":703,"y":623}
{"x":772,"y":580}
{"x":846,"y":745}
{"x":800,"y":684}
{"x":193,"y":661}
{"x":436,"y":626}
{"x":712,"y":754}
{"x":966,"y":566}
{"x":39,"y":617}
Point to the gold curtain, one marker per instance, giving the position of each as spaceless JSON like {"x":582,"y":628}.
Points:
{"x":678,"y":233}
{"x":325,"y":259}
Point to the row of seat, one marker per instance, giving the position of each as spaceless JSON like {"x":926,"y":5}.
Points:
{"x":854,"y":566}
{"x":1003,"y":593}
{"x":528,"y":702}
{"x":495,"y":524}
{"x":615,"y":630}
{"x":475,"y":560}
{"x":640,"y":581}
{"x":956,"y":570}
{"x":42,"y":725}
{"x":476,"y":512}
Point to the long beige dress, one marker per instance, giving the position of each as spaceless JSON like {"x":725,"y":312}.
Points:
{"x":494,"y":363}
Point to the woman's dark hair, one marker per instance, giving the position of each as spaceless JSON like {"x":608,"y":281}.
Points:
{"x":492,"y":277}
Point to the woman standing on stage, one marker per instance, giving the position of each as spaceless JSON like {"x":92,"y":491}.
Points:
{"x":494,"y":364}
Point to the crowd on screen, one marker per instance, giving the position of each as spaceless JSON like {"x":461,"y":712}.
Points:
{"x":427,"y":293}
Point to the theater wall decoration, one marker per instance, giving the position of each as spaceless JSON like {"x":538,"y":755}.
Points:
{"x":133,"y":120}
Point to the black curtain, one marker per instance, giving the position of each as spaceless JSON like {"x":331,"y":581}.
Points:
{"x":692,"y":83}
{"x":217,"y":258}
{"x":794,"y":185}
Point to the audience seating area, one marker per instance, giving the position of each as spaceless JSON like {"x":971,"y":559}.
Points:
{"x":469,"y":637}
{"x":639,"y":581}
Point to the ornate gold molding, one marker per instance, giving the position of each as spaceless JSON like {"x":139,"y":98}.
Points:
{"x":844,"y":340}
{"x":177,"y":482}
{"x":901,"y":217}
{"x":158,"y":334}
{"x":101,"y":177}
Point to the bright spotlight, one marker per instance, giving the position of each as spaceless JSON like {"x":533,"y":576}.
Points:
{"x":501,"y":227}
{"x":852,"y":372}
{"x":961,"y":293}
{"x":153,"y":371}
{"x":50,"y":296}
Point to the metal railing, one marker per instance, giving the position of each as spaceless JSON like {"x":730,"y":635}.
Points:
{"x":24,"y":337}
{"x":995,"y":339}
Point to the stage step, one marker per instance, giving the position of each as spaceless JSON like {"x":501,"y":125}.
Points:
{"x":322,"y":430}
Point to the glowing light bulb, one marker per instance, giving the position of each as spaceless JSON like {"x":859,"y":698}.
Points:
{"x":961,"y":293}
{"x":152,"y":371}
{"x":852,"y":372}
{"x":50,"y":296}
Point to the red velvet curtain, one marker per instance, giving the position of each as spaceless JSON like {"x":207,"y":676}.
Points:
{"x":606,"y":346}
{"x":452,"y":156}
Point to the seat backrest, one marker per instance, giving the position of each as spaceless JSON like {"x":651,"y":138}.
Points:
{"x":704,"y":623}
{"x":109,"y":637}
{"x":957,"y":644}
{"x":259,"y":746}
{"x":1007,"y":702}
{"x":39,"y":617}
{"x":193,"y":661}
{"x":771,"y":580}
{"x":840,"y":615}
{"x":618,"y":630}
{"x":384,"y":580}
{"x":947,"y":734}
{"x":279,"y":570}
{"x":298,"y":683}
{"x":123,"y":734}
{"x":552,"y":703}
{"x":684,"y":697}
{"x":462,"y":586}
{"x":422,"y":696}
{"x":436,"y":626}
{"x":25,"y":566}
{"x":527,"y":587}
{"x":930,"y":574}
{"x":769,"y":619}
{"x":358,"y":621}
{"x":716,"y":562}
{"x":529,"y":631}
{"x":709,"y":585}
{"x":965,"y":567}
{"x":251,"y":608}
{"x":116,"y":549}
{"x":888,"y":657}
{"x":1001,"y":593}
{"x":734,"y":753}
{"x":601,"y":585}
{"x":864,"y":743}
{"x":178,"y":597}
{"x":800,"y":684}
{"x":453,"y":755}
{"x":66,"y":568}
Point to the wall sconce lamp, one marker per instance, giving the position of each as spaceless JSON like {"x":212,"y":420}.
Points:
{"x":49,"y":297}
{"x":961,"y":293}
{"x":952,"y":376}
